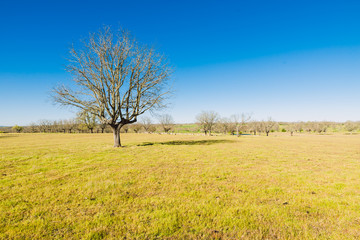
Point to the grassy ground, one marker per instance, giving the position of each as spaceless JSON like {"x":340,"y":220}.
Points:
{"x":72,"y":186}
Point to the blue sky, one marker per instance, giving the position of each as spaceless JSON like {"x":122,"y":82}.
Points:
{"x":291,"y":60}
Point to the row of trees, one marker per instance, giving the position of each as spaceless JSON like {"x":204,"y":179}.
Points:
{"x":86,"y":122}
{"x":236,"y":124}
{"x":207,"y":122}
{"x":210,"y":121}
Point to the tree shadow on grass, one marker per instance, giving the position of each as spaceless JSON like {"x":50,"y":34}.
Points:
{"x":7,"y":136}
{"x":187,"y":142}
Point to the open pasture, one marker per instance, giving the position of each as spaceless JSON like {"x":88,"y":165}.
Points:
{"x":77,"y":186}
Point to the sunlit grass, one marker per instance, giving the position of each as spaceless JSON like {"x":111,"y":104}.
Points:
{"x":179,"y":187}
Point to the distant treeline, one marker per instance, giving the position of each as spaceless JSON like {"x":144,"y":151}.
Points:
{"x":218,"y":126}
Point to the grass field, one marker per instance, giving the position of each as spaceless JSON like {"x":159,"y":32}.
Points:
{"x":77,"y":186}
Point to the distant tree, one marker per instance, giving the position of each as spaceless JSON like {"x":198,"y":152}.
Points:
{"x":116,"y":79}
{"x":299,"y":126}
{"x":33,"y":128}
{"x":102,"y":126}
{"x":236,"y":121}
{"x":80,"y":127}
{"x":44,"y":125}
{"x":70,"y":125}
{"x":291,"y":128}
{"x":61,"y":126}
{"x":17,"y":128}
{"x":146,"y":123}
{"x":136,"y":128}
{"x":126,"y":128}
{"x":55,"y":126}
{"x":240,"y":121}
{"x":320,"y":127}
{"x":245,"y":118}
{"x":267,"y":126}
{"x":87,"y":119}
{"x":166,"y":122}
{"x":351,"y":126}
{"x":309,"y":127}
{"x":225,"y":125}
{"x":207,"y":120}
{"x":254,"y":127}
{"x":151,"y":129}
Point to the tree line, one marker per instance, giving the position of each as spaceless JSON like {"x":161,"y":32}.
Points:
{"x":207,"y":122}
{"x":237,"y":124}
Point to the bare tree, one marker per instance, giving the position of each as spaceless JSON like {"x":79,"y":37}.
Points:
{"x":88,"y":119}
{"x":225,"y":125}
{"x":350,"y":126}
{"x":117,"y":79}
{"x":151,"y":129}
{"x":236,"y":120}
{"x":126,"y":128}
{"x":146,"y":123}
{"x":244,"y":119}
{"x":320,"y":127}
{"x":136,"y":128}
{"x":309,"y":127}
{"x":61,"y":126}
{"x":167,"y":122}
{"x":44,"y":125}
{"x":33,"y":127}
{"x":70,"y":125}
{"x":255,"y":127}
{"x":299,"y":126}
{"x":102,"y":126}
{"x":267,"y":126}
{"x":207,"y":120}
{"x":291,"y":127}
{"x":240,"y":121}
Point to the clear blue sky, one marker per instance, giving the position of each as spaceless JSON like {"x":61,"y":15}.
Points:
{"x":291,"y":60}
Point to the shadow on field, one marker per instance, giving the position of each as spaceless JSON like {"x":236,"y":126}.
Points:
{"x":7,"y":136}
{"x":189,"y":142}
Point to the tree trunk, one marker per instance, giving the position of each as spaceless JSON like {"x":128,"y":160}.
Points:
{"x":267,"y":133}
{"x":116,"y":131}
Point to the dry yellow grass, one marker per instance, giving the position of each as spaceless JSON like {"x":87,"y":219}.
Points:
{"x":76,"y":186}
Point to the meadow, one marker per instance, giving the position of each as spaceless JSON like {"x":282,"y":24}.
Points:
{"x":77,"y":186}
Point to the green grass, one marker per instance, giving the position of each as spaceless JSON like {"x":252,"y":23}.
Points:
{"x":76,"y":186}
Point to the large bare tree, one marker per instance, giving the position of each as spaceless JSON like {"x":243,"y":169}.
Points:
{"x":116,"y":78}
